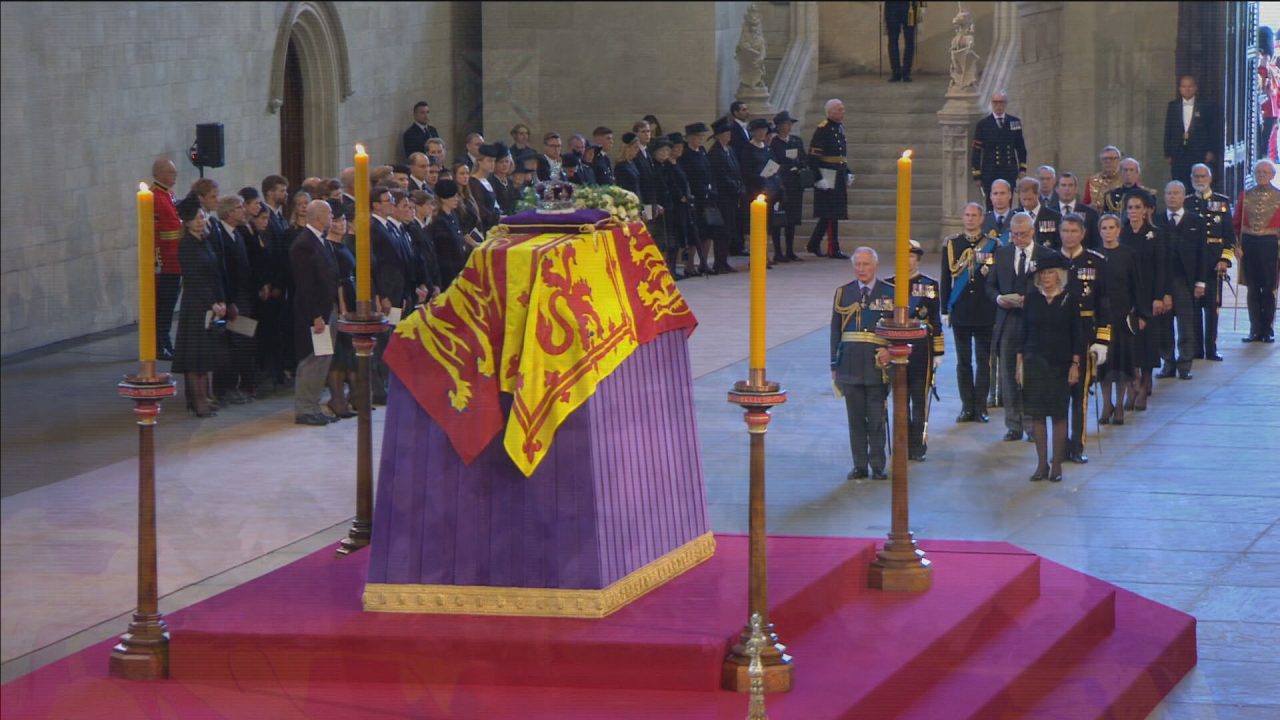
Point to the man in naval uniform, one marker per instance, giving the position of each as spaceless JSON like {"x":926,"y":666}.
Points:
{"x":860,"y":362}
{"x":926,"y":355}
{"x":999,"y":150}
{"x":1214,"y":211}
{"x":1086,"y":281}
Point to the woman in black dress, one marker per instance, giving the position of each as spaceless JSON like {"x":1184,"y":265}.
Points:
{"x":1124,"y":310}
{"x":756,"y":157}
{"x":197,"y":350}
{"x":1050,"y":347}
{"x":446,"y":234}
{"x":342,"y":368}
{"x":625,"y":172}
{"x":1148,"y":242}
{"x":788,"y":151}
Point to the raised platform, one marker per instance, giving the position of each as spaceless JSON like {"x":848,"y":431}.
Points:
{"x":1002,"y":634}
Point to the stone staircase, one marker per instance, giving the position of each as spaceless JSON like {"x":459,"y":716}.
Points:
{"x":881,"y":120}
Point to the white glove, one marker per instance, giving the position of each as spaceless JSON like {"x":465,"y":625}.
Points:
{"x":848,"y":180}
{"x":937,"y":363}
{"x":821,"y":184}
{"x":1099,"y":352}
{"x":946,"y":321}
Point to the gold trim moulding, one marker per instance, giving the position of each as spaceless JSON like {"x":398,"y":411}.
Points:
{"x":538,"y":602}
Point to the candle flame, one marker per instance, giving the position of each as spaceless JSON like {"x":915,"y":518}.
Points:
{"x":760,"y":198}
{"x":142,"y":187}
{"x":906,"y":154}
{"x":360,"y":148}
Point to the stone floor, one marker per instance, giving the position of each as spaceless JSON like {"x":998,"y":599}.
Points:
{"x":1182,"y":504}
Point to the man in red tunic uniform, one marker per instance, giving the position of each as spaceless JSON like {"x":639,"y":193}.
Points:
{"x":1257,"y":224}
{"x":168,"y":233}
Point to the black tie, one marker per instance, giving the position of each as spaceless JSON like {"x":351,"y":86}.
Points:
{"x":866,"y":294}
{"x":1022,"y":262}
{"x":1000,"y":123}
{"x":1068,"y":210}
{"x":1000,"y":221}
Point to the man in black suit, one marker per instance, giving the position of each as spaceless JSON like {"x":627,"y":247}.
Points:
{"x":419,"y":163}
{"x":1069,"y":202}
{"x":1000,"y":200}
{"x":315,"y":301}
{"x":645,"y":165}
{"x":739,"y":116}
{"x":392,"y":259}
{"x":550,"y":162}
{"x":1008,"y":285}
{"x":727,"y":182}
{"x":999,"y":151}
{"x":1192,"y":131}
{"x":1044,"y":220}
{"x":416,"y":136}
{"x":1189,"y":272}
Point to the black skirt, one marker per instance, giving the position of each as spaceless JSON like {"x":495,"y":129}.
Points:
{"x":1045,"y":390}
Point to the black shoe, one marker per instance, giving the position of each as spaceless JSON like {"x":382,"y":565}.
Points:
{"x":1012,"y":436}
{"x":1118,"y":421}
{"x":812,"y":248}
{"x":1040,"y":474}
{"x":906,"y":78}
{"x":916,"y":456}
{"x":839,"y":256}
{"x":895,"y":78}
{"x":316,"y":419}
{"x":1184,"y":374}
{"x":1214,"y":357}
{"x":879,"y":475}
{"x":1250,"y":338}
{"x":981,"y":417}
{"x":1269,"y":339}
{"x":793,"y":257}
{"x":966,"y":416}
{"x":1078,"y":458}
{"x":856,"y":474}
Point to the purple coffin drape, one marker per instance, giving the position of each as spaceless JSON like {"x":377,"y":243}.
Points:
{"x":621,"y":486}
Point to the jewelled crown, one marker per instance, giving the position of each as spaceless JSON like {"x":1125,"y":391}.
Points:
{"x":554,"y":196}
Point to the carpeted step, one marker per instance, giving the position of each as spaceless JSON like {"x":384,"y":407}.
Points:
{"x":1124,"y":676}
{"x":1072,"y":615}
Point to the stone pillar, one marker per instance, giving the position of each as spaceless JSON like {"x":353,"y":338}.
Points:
{"x":957,"y":118}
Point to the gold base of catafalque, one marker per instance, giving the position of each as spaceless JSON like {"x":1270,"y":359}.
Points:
{"x":538,"y":602}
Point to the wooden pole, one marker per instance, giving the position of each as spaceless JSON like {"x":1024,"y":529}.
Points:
{"x":756,"y":396}
{"x":363,"y":327}
{"x":143,"y":652}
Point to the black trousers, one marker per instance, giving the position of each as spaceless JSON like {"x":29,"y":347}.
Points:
{"x":1259,"y":266}
{"x":973,"y":379}
{"x":1206,"y":319}
{"x":865,"y":408}
{"x":825,"y":226}
{"x":1183,"y":318}
{"x":892,"y":27}
{"x":167,"y":288}
{"x":723,"y":237}
{"x":1077,"y":409}
{"x":918,"y":369}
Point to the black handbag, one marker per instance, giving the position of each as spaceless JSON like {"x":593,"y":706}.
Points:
{"x":806,"y":177}
{"x":711,"y":216}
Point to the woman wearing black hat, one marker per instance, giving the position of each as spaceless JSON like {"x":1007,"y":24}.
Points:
{"x":756,"y":159}
{"x":788,"y":151}
{"x":203,"y":304}
{"x":1051,"y":344}
{"x":446,"y":233}
{"x":625,"y":172}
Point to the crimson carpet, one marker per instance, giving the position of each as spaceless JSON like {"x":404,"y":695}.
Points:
{"x":1003,"y":633}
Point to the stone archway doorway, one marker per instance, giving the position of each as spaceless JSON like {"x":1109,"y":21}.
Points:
{"x":310,"y":76}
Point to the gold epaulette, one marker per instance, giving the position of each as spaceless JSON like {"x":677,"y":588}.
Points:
{"x":939,"y":345}
{"x":1086,"y":313}
{"x":1103,"y":334}
{"x":863,"y":336}
{"x":1228,"y":256}
{"x":824,"y":122}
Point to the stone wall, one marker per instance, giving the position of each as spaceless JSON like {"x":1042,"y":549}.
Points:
{"x":592,"y":63}
{"x":92,"y":92}
{"x":1075,"y":59}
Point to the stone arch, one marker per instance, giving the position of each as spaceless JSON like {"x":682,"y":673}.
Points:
{"x":321,"y":45}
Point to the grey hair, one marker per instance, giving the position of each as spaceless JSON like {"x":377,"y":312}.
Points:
{"x":1050,"y":168}
{"x":1264,"y":161}
{"x":1198,"y":166}
{"x":1171,"y":183}
{"x":864,"y":250}
{"x":831,"y":103}
{"x":227,"y":203}
{"x":1136,"y":164}
{"x":1062,"y":279}
{"x":1002,"y":181}
{"x":1021,"y":218}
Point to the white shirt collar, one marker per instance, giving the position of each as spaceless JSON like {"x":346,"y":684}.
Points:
{"x":319,"y":235}
{"x":230,"y":230}
{"x":1192,"y":101}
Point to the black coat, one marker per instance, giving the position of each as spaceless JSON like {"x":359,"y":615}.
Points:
{"x":425,"y":263}
{"x":197,"y":349}
{"x":506,"y":193}
{"x":238,"y":276}
{"x":828,"y":149}
{"x":998,"y":150}
{"x":487,"y":203}
{"x":789,"y":174}
{"x":415,"y":139}
{"x":697,"y":168}
{"x":725,"y":173}
{"x":393,"y":271}
{"x":648,"y":179}
{"x":754,"y":161}
{"x":1204,"y":135}
{"x":627,"y":176}
{"x":1187,"y":251}
{"x":602,"y":168}
{"x":451,"y":249}
{"x":315,"y":285}
{"x":1004,"y":280}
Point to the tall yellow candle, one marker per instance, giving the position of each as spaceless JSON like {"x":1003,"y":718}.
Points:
{"x":364,"y":269}
{"x":902,"y":245}
{"x":759,"y":263}
{"x":146,"y":274}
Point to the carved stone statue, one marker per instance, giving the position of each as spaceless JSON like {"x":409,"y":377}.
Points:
{"x":750,"y":52}
{"x":964,"y":61}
